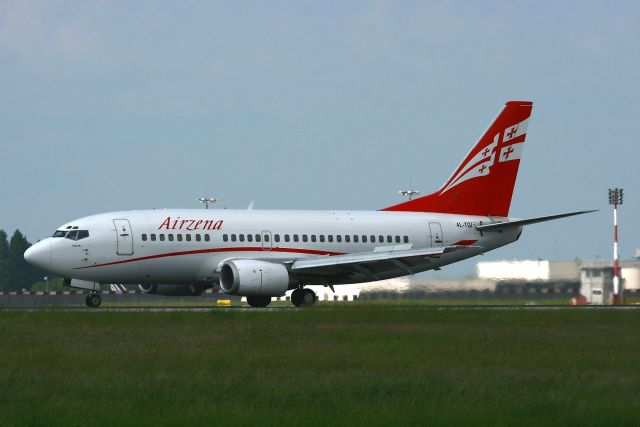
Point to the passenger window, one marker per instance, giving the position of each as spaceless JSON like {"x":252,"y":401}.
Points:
{"x":266,"y":237}
{"x":295,"y":238}
{"x":233,"y":238}
{"x":406,"y":239}
{"x":381,"y":238}
{"x":153,"y":237}
{"x":330,"y":238}
{"x":322,"y":238}
{"x":373,"y":239}
{"x":305,"y":238}
{"x":276,"y":237}
{"x":170,"y":237}
{"x":313,"y":238}
{"x":364,"y":239}
{"x":198,"y":237}
{"x":187,"y":237}
{"x":144,"y":237}
{"x":241,"y":237}
{"x":162,"y":237}
{"x":179,"y":236}
{"x":286,"y":238}
{"x":397,"y":239}
{"x":207,"y":237}
{"x":225,"y":237}
{"x":355,"y":238}
{"x":249,"y":237}
{"x":258,"y":238}
{"x":389,"y":239}
{"x":347,"y":238}
{"x":339,"y":238}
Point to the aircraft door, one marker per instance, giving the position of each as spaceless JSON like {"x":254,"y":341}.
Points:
{"x":124,"y":237}
{"x":435,"y":230}
{"x":266,"y":240}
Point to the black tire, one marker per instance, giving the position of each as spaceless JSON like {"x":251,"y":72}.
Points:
{"x":87,"y":300}
{"x":296,"y":297}
{"x":308,"y":297}
{"x":95,"y":300}
{"x":258,"y":301}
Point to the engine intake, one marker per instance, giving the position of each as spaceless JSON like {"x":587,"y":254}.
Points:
{"x":252,"y":278}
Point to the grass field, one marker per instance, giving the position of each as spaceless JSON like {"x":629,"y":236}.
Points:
{"x":361,"y":364}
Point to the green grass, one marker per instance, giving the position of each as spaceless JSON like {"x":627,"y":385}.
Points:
{"x":361,"y":364}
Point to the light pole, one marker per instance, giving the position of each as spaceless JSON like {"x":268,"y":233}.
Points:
{"x":206,"y":200}
{"x":615,"y":199}
{"x":409,"y":193}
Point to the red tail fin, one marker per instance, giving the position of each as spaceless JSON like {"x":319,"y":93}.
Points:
{"x":483,"y":183}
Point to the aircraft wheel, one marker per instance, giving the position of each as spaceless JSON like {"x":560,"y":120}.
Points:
{"x":258,"y":301}
{"x":308,"y":297}
{"x":87,"y":300}
{"x":93,"y":300}
{"x":297,"y":297}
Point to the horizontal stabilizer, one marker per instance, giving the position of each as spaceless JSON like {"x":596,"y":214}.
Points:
{"x":520,"y":222}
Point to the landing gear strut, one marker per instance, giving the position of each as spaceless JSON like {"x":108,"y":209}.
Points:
{"x":303,"y":297}
{"x":258,"y":301}
{"x":93,"y":300}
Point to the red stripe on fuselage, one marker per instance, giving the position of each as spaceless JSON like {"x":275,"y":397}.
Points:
{"x":465,"y":243}
{"x":214,"y":250}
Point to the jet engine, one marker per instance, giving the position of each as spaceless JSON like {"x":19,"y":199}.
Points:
{"x":253,"y":278}
{"x":173,"y":290}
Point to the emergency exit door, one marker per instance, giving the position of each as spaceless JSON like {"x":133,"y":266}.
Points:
{"x":124,"y":237}
{"x":435,"y":229}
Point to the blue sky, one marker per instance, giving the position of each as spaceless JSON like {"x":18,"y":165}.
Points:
{"x":312,"y":105}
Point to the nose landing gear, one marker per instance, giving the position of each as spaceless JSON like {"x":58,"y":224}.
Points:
{"x":93,"y":300}
{"x":303,"y":297}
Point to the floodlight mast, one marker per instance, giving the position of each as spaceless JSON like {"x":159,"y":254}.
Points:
{"x":615,"y":199}
{"x":206,"y":200}
{"x":409,"y":193}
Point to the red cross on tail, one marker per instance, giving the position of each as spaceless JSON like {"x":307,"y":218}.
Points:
{"x":483,"y":183}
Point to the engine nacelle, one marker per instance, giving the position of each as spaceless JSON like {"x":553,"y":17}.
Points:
{"x":246,"y":277}
{"x":173,"y":290}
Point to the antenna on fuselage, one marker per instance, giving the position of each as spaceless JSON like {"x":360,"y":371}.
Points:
{"x":206,"y":200}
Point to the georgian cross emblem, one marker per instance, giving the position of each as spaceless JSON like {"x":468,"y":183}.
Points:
{"x":512,"y":132}
{"x":508,"y":152}
{"x":485,"y":152}
{"x":483,"y":168}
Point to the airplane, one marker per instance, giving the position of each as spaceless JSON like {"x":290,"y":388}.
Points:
{"x":261,"y":254}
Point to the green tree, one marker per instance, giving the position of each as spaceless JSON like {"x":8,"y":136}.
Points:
{"x":5,"y":262}
{"x":22,"y":274}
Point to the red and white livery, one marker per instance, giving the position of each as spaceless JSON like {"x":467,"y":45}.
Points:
{"x":262,"y":254}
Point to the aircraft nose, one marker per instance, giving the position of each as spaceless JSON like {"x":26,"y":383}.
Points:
{"x":39,"y":254}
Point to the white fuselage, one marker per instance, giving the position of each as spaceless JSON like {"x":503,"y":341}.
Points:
{"x":178,"y":246}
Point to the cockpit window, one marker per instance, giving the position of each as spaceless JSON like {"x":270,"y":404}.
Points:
{"x":77,"y":234}
{"x":59,"y":233}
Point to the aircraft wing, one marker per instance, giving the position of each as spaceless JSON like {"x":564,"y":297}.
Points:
{"x":376,"y":265}
{"x":520,"y":222}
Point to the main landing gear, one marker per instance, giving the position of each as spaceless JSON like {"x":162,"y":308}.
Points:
{"x":303,"y":297}
{"x":258,"y":301}
{"x":93,"y":300}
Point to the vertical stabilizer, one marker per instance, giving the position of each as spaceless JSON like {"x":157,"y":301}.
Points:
{"x":483,"y":183}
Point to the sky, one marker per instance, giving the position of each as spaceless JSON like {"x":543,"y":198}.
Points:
{"x":116,"y":105}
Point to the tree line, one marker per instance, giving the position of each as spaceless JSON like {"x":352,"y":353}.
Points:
{"x":15,"y":273}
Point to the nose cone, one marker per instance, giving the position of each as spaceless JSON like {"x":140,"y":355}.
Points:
{"x":39,"y":255}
